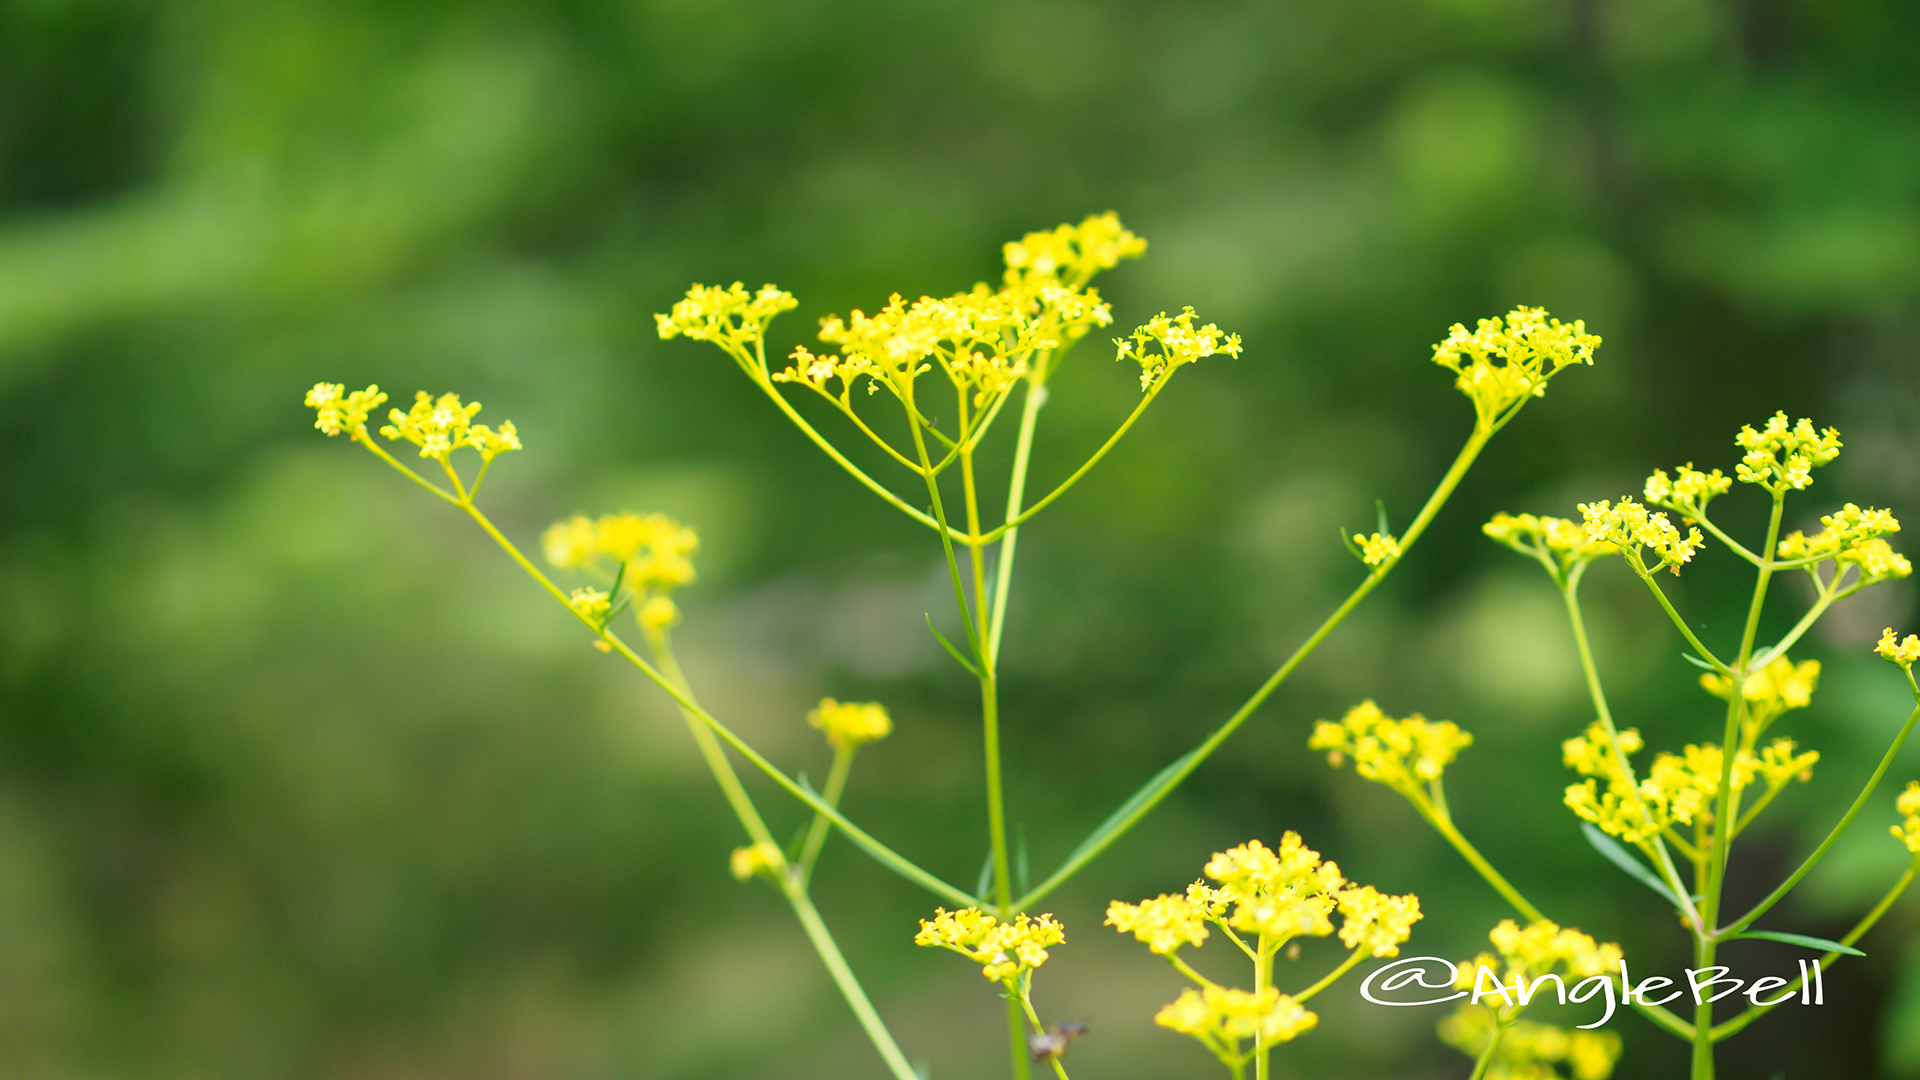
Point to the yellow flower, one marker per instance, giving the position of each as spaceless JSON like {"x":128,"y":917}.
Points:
{"x":1376,"y":921}
{"x":658,"y":615}
{"x":1071,"y":253}
{"x":1778,"y":457}
{"x":1677,"y":788}
{"x":1528,"y":1050}
{"x":1529,"y":347}
{"x":1221,"y":1017}
{"x":1630,"y":527}
{"x":852,"y":724}
{"x":1283,"y":894}
{"x":1377,"y":548}
{"x":1003,"y":950}
{"x":1565,"y":541}
{"x":1779,"y":686}
{"x":761,"y":859}
{"x":1689,"y":493}
{"x":439,"y":426}
{"x":340,"y":411}
{"x":1903,"y":653}
{"x":1178,"y":344}
{"x":1908,"y":804}
{"x":730,"y":317}
{"x":1402,"y":754}
{"x":590,"y":603}
{"x":1163,"y":924}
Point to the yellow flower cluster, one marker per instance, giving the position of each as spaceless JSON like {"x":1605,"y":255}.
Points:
{"x":1377,"y":548}
{"x":1779,"y":686}
{"x":1536,"y":949}
{"x":852,"y":724}
{"x":339,"y":410}
{"x":1529,"y":348}
{"x":590,"y":603}
{"x":730,"y":317}
{"x":1689,"y":492}
{"x":1904,"y":653}
{"x":1402,"y":754}
{"x":1220,"y":1017}
{"x":1908,"y":804}
{"x":1178,"y":344}
{"x":1630,"y":527}
{"x":1778,"y":457}
{"x":1566,"y":542}
{"x":1677,"y":788}
{"x":649,"y":555}
{"x":1851,"y":537}
{"x":1166,"y":922}
{"x":439,"y":426}
{"x":1375,"y":921}
{"x":1529,"y":1050}
{"x":1003,"y":950}
{"x":1071,"y":253}
{"x":761,"y":859}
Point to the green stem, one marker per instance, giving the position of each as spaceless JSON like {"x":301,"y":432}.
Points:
{"x":1034,"y":1017}
{"x":1486,"y":1056}
{"x":1353,"y":958}
{"x":1755,"y":1012}
{"x":1467,"y":851}
{"x":1685,"y":631}
{"x":1186,"y":969}
{"x":1475,"y":443}
{"x":1016,"y":490}
{"x":1569,"y":591}
{"x":1112,"y":441}
{"x":817,"y":832}
{"x":1732,"y":545}
{"x":843,"y":977}
{"x":1886,"y":761}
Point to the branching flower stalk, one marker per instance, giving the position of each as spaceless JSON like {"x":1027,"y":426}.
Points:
{"x":985,"y":343}
{"x":1700,"y":789}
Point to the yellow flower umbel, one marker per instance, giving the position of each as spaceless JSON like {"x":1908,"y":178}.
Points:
{"x":1781,"y":458}
{"x":341,"y":411}
{"x":1903,"y":653}
{"x":1505,"y":361}
{"x":1629,"y":527}
{"x":1908,"y":831}
{"x":1528,"y":1051}
{"x":1071,"y":254}
{"x":730,"y":317}
{"x":1689,"y":492}
{"x":1851,"y":536}
{"x":1678,"y":789}
{"x":438,"y":426}
{"x":1406,"y":755}
{"x":1271,"y":897}
{"x":854,"y":723}
{"x":1560,"y":545}
{"x":1006,"y":952}
{"x":1175,"y":344}
{"x":757,"y":860}
{"x":640,"y":558}
{"x":1779,"y":686}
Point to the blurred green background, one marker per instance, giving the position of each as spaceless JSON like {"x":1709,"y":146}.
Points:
{"x":300,"y":778}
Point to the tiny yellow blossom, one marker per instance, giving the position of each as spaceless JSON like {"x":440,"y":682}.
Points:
{"x":1376,"y":921}
{"x":1904,"y":653}
{"x":730,"y":317}
{"x":1178,"y":344}
{"x":1529,"y":1050}
{"x":1687,"y":493}
{"x":1677,"y":788}
{"x":590,"y":603}
{"x":852,"y":724}
{"x":1529,"y":347}
{"x":1284,"y":894}
{"x":1071,"y":253}
{"x":1402,"y":754}
{"x":1779,"y":457}
{"x":1163,"y":924}
{"x":340,"y":411}
{"x":658,"y":615}
{"x":1377,"y":548}
{"x":1220,"y":1017}
{"x":761,"y":859}
{"x":1003,"y":950}
{"x":1630,"y":527}
{"x":1908,"y":804}
{"x":1566,"y":542}
{"x":1779,"y":686}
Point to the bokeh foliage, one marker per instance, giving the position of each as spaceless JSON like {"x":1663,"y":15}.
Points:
{"x":298,"y":778}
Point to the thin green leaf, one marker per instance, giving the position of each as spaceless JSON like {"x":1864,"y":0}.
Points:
{"x":614,"y":611}
{"x":1620,"y":857}
{"x":1697,"y":662}
{"x":886,"y":858}
{"x":1380,"y":512}
{"x":951,"y":651}
{"x":1803,"y":940}
{"x":1151,"y":789}
{"x":984,"y":884}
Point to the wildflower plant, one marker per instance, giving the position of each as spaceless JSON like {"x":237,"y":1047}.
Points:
{"x":981,"y":356}
{"x":1671,"y":828}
